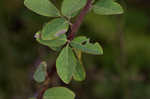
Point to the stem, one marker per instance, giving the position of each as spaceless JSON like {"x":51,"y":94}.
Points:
{"x":75,"y":27}
{"x":40,"y":95}
{"x":47,"y":82}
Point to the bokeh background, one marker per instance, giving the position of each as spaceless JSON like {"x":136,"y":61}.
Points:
{"x":123,"y":72}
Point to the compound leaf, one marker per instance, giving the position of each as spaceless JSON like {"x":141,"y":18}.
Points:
{"x":59,"y":93}
{"x":42,"y":7}
{"x":65,"y":64}
{"x":54,"y":29}
{"x":40,"y":73}
{"x":107,"y":7}
{"x":70,"y":7}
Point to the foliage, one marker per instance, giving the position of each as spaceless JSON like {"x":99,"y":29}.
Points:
{"x":69,"y":7}
{"x":41,"y":72}
{"x":42,"y":7}
{"x":21,"y":54}
{"x":54,"y":35}
{"x":58,"y":93}
{"x":107,"y":7}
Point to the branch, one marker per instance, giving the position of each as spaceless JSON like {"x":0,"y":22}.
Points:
{"x":50,"y":73}
{"x":75,"y":27}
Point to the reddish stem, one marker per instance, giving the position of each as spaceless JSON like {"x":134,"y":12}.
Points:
{"x":40,"y":95}
{"x":47,"y":84}
{"x":75,"y":27}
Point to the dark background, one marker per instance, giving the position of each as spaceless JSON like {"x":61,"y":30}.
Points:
{"x":123,"y":72}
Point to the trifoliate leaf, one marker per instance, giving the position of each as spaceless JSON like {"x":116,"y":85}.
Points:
{"x":42,"y":7}
{"x":54,"y":29}
{"x":69,"y":7}
{"x":40,"y":73}
{"x":84,"y":45}
{"x":66,"y":64}
{"x":59,"y":93}
{"x":107,"y":7}
{"x":53,"y":44}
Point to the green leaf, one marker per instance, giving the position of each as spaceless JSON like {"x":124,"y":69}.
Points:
{"x":40,"y":73}
{"x":107,"y":7}
{"x":81,"y":39}
{"x":65,"y":64}
{"x":59,"y":93}
{"x":69,"y":7}
{"x":79,"y":73}
{"x":53,"y":44}
{"x":83,"y":44}
{"x":42,"y":7}
{"x":54,"y":29}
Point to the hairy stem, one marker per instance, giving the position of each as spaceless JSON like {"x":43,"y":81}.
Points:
{"x":75,"y":27}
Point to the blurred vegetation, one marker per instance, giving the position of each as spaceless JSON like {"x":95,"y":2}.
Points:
{"x":123,"y":72}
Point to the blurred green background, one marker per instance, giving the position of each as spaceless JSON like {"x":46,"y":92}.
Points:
{"x":123,"y":72}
